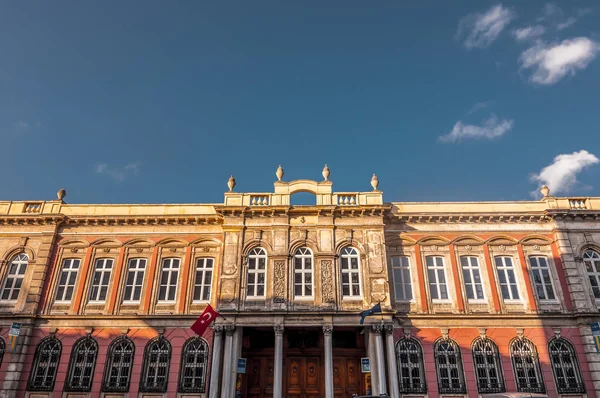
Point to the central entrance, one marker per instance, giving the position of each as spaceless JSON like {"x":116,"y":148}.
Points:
{"x":303,"y":362}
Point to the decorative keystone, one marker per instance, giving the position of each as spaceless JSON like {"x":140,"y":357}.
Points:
{"x":231,"y":183}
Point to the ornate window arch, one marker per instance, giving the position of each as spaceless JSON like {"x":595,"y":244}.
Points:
{"x":526,"y":365}
{"x":303,"y":273}
{"x":350,"y":270}
{"x":411,"y":369}
{"x":591,"y":259}
{"x":448,"y":363}
{"x":2,"y":348}
{"x":45,"y":364}
{"x":14,"y":277}
{"x":81,"y":366}
{"x":119,"y":361}
{"x":256,"y":273}
{"x":565,"y":366}
{"x":194,"y":365}
{"x":488,"y":369}
{"x":155,"y":368}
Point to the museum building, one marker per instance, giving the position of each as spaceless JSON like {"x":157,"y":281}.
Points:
{"x":476,"y":297}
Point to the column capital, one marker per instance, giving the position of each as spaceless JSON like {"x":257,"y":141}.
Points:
{"x":278,"y":330}
{"x":389,"y":329}
{"x":229,"y":329}
{"x":218,"y":328}
{"x":377,"y":328}
{"x":327,"y":330}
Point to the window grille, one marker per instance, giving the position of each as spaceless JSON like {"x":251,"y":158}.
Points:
{"x":449,"y":367}
{"x":591,"y":259}
{"x":411,"y":371}
{"x":402,"y":279}
{"x":81,"y":366}
{"x":203,"y":281}
{"x":194,"y":363}
{"x":14,"y":277}
{"x":436,"y":274}
{"x":488,"y":370}
{"x":257,"y":273}
{"x":155,"y":368}
{"x":45,"y":364}
{"x":303,"y":273}
{"x":542,"y":278}
{"x":135,"y":280}
{"x":565,"y":367}
{"x":350,"y":267}
{"x":117,"y":373}
{"x":526,"y":365}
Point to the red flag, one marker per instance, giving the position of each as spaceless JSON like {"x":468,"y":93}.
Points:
{"x":207,"y":317}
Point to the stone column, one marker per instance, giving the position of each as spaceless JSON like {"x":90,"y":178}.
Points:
{"x":236,"y":352}
{"x":391,"y":360}
{"x":227,"y":362}
{"x":379,"y":356}
{"x":373,"y":360}
{"x":278,"y":365}
{"x":327,"y":331}
{"x":215,"y":373}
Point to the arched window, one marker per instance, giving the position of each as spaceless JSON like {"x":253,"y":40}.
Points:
{"x":488,"y":371}
{"x":526,"y":365}
{"x":591,"y":259}
{"x":45,"y":363}
{"x":565,"y":366}
{"x":257,"y":273}
{"x":411,"y":371}
{"x":194,"y":363}
{"x":117,"y":373}
{"x":448,"y":363}
{"x":155,"y":368}
{"x":350,"y":268}
{"x":2,"y":348}
{"x":82,"y":364}
{"x":303,"y":273}
{"x":14,"y":277}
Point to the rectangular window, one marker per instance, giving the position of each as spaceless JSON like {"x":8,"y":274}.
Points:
{"x":402,"y":281}
{"x":436,"y":273}
{"x":472,"y":277}
{"x":135,"y":280}
{"x":303,"y":272}
{"x":350,"y":266}
{"x":507,"y":278}
{"x":542,"y":278}
{"x":168,"y":279}
{"x":67,"y":278}
{"x":203,"y":281}
{"x":101,"y":279}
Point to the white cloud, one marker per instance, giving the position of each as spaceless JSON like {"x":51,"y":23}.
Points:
{"x":552,"y":62}
{"x":561,"y":175}
{"x":484,"y":28}
{"x":118,"y":174}
{"x":478,"y":106}
{"x":529,"y":32}
{"x":554,"y":15}
{"x":490,"y":129}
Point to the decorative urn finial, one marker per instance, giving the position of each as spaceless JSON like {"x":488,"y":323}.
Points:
{"x":545,"y":191}
{"x":326,"y":173}
{"x":61,"y":194}
{"x":279,"y":173}
{"x":231,"y":183}
{"x":374,"y":182}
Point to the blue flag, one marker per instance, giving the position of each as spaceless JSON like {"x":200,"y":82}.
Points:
{"x":369,"y":312}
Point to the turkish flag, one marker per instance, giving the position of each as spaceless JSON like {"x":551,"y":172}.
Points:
{"x":207,"y":317}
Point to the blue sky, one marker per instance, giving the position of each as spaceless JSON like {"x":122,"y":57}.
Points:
{"x":146,"y":102}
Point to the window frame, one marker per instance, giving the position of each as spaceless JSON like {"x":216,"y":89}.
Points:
{"x":535,"y":360}
{"x":548,"y":268}
{"x":486,"y":366}
{"x":421,"y":388}
{"x":470,"y":268}
{"x":579,"y":388}
{"x":170,"y":285}
{"x":73,"y":365}
{"x":202,"y":285}
{"x":303,"y":257}
{"x":437,"y":283}
{"x":183,"y":362}
{"x":104,"y":261}
{"x":345,"y":254}
{"x":462,"y":386}
{"x":505,"y":269}
{"x":253,"y":257}
{"x":110,"y":362}
{"x":19,"y":263}
{"x":136,"y":271}
{"x":402,"y":283}
{"x":71,"y":270}
{"x":592,"y":259}
{"x":162,"y":388}
{"x":35,"y":366}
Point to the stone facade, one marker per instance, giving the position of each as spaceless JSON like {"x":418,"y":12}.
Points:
{"x":290,"y":282}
